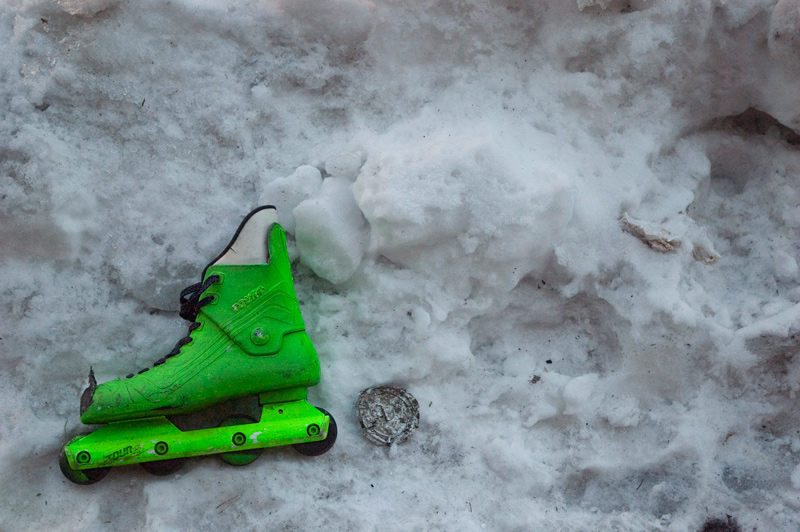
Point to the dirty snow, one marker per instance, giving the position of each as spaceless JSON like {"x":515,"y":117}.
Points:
{"x":452,"y":177}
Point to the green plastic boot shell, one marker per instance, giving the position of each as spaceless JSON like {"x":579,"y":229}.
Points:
{"x":251,"y":339}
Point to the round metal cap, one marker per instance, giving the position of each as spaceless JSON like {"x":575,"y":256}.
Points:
{"x":388,"y":414}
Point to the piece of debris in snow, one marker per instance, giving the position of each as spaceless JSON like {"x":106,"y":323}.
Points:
{"x":651,"y":234}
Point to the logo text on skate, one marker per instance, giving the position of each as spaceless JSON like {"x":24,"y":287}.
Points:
{"x":249,"y":298}
{"x":119,"y":453}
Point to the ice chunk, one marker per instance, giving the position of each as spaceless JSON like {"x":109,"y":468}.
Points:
{"x":338,"y":21}
{"x":509,"y":457}
{"x":784,"y":33}
{"x":286,"y":193}
{"x":583,"y":4}
{"x":621,"y":412}
{"x":330,"y":231}
{"x":577,"y":393}
{"x":785,"y":266}
{"x":87,"y":7}
{"x":796,"y":477}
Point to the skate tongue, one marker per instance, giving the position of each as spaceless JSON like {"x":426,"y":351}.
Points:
{"x":249,"y":244}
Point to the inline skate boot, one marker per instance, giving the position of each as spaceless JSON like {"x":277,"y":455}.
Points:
{"x":247,"y":339}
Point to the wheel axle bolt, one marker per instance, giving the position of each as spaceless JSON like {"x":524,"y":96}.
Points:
{"x":161,"y":448}
{"x":313,"y":430}
{"x":83,"y":457}
{"x":239,"y":439}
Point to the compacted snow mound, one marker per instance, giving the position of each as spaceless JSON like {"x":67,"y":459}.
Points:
{"x":485,"y":205}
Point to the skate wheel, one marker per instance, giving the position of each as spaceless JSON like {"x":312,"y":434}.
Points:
{"x":84,"y":477}
{"x":239,"y":458}
{"x":316,"y":448}
{"x":162,"y":468}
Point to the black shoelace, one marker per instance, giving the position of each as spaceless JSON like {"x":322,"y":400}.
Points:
{"x":190,"y":307}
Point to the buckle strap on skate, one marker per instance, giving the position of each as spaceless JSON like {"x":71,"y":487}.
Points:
{"x":190,"y":307}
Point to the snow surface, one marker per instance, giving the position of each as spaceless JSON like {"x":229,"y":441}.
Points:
{"x":452,"y":175}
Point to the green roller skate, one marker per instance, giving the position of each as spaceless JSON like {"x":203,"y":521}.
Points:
{"x":247,"y":339}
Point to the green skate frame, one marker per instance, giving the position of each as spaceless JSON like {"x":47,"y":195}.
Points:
{"x":156,"y":438}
